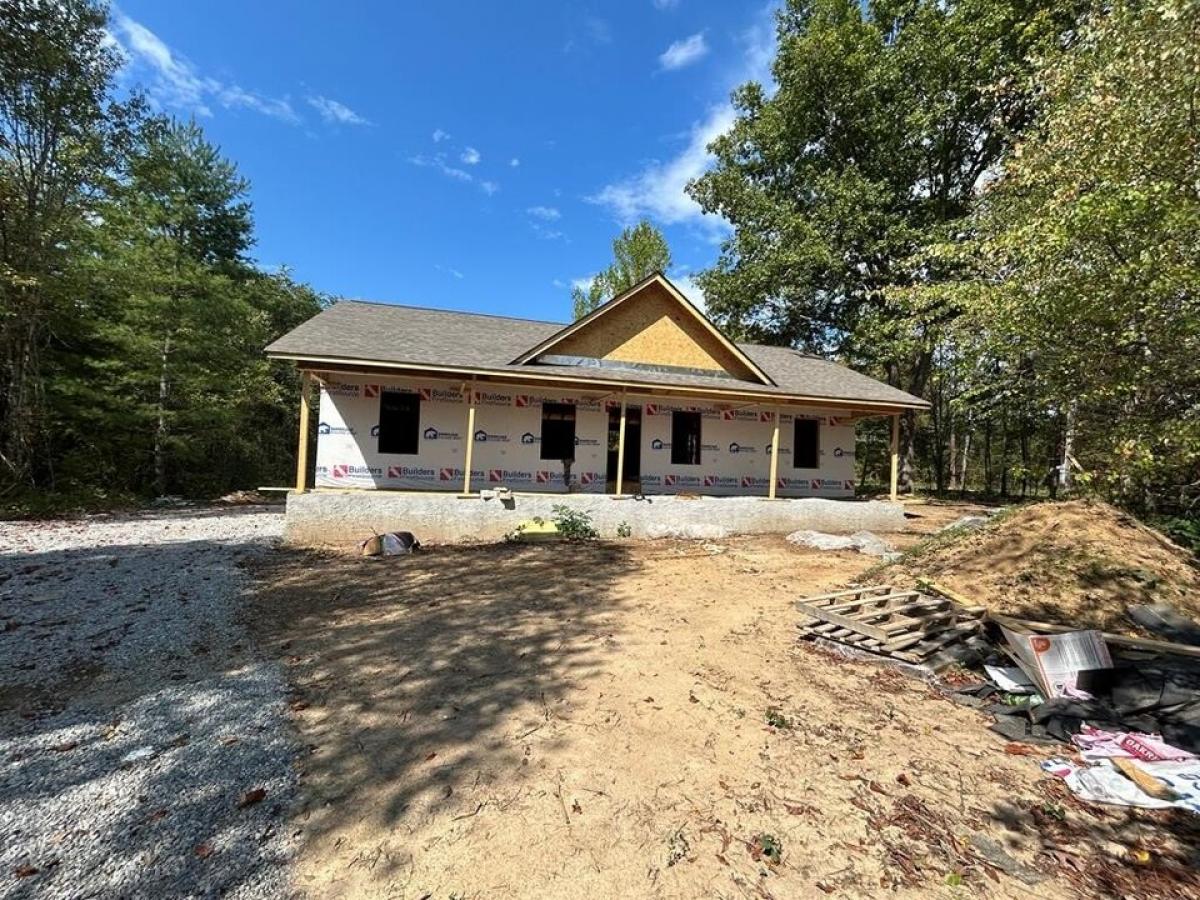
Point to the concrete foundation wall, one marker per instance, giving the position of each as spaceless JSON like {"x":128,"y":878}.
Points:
{"x":337,"y":518}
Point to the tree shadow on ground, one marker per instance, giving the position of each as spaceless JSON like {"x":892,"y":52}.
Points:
{"x":416,"y":678}
{"x":133,"y":717}
{"x":1110,"y":851}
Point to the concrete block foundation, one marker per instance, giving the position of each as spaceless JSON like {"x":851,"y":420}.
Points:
{"x":343,"y":518}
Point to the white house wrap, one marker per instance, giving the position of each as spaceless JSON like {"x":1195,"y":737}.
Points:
{"x":735,"y":443}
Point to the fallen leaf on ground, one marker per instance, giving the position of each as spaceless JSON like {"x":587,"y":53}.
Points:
{"x":251,"y":797}
{"x":1015,"y":749}
{"x":24,"y":871}
{"x":204,"y":851}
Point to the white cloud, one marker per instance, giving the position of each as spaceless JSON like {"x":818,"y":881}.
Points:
{"x":470,"y":156}
{"x":336,"y":113}
{"x":545,"y":213}
{"x":658,"y":189}
{"x":665,"y":4}
{"x":514,"y":162}
{"x":558,"y":283}
{"x":438,"y":162}
{"x":439,"y":135}
{"x":175,"y":83}
{"x":450,"y":271}
{"x":690,"y":289}
{"x":683,"y":53}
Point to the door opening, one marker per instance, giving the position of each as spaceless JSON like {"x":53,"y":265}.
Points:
{"x":632,"y":476}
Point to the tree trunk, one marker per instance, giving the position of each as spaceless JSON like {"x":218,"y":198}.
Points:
{"x":1004,"y":455}
{"x":987,"y":458}
{"x":954,"y":485}
{"x":160,"y":432}
{"x":20,"y":410}
{"x":962,"y":466}
{"x":1066,"y":474}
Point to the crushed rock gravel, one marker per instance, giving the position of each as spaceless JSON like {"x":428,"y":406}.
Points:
{"x":144,"y":744}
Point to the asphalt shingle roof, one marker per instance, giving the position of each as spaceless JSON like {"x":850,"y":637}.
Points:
{"x":415,"y":336}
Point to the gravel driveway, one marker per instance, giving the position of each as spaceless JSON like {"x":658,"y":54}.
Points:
{"x":144,"y":748}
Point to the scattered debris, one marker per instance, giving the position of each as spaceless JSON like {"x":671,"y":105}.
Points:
{"x":1059,"y":664}
{"x":1166,"y":622}
{"x":995,"y":855}
{"x":394,"y":543}
{"x":862,"y":541}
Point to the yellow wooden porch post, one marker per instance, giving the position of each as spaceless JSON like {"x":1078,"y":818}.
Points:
{"x":302,"y":449}
{"x":470,"y":438}
{"x":621,"y":449}
{"x":895,"y":493}
{"x":774,"y":457}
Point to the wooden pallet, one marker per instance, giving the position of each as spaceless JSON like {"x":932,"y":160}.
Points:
{"x":912,"y":626}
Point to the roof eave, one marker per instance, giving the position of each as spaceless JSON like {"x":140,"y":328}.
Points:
{"x":880,"y":407}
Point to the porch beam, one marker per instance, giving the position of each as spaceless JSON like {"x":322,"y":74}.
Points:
{"x":621,"y":449}
{"x":775,"y":455}
{"x":302,"y":446}
{"x":470,"y":436}
{"x":895,"y":481}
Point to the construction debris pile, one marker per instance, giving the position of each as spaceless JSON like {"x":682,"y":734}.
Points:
{"x":1127,"y":709}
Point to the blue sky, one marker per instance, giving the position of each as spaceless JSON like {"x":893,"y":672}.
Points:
{"x":477,"y":156}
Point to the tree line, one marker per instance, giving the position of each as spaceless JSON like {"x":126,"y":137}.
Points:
{"x":992,"y":204}
{"x":132,"y":317}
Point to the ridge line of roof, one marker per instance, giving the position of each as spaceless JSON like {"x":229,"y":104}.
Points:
{"x":453,"y":312}
{"x":483,"y":315}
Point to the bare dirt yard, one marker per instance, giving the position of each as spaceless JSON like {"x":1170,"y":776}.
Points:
{"x":639,"y":719}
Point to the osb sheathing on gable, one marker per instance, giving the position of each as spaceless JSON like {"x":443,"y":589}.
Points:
{"x":652,"y":327}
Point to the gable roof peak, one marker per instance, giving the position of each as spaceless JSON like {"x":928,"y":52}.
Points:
{"x":588,"y":321}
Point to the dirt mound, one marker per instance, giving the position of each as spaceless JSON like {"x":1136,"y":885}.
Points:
{"x":1079,"y":563}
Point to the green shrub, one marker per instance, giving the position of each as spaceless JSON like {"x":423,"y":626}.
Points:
{"x":1183,"y":531}
{"x":574,"y":524}
{"x":624,"y":530}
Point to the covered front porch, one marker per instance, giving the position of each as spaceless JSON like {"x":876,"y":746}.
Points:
{"x":745,"y":435}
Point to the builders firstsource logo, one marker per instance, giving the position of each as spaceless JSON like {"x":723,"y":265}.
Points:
{"x":839,"y":452}
{"x":739,"y":415}
{"x":491,"y":398}
{"x":414,"y":473}
{"x":350,"y":472}
{"x":341,"y":389}
{"x":720,"y":481}
{"x":755,"y":481}
{"x":501,"y":475}
{"x":683,"y":481}
{"x":440,"y":395}
{"x":735,"y":447}
{"x":455,"y":474}
{"x":326,"y":428}
{"x":432,"y":434}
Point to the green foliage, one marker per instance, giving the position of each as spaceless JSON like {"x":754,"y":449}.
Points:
{"x":1183,"y":531}
{"x":624,"y":530}
{"x":132,"y":319}
{"x":638,"y":252}
{"x":777,"y":719}
{"x":574,"y":524}
{"x":1084,"y":275}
